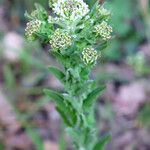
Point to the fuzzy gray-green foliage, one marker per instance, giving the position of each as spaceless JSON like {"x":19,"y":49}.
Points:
{"x":77,"y":32}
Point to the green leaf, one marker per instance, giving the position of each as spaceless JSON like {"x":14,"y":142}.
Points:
{"x":57,"y":73}
{"x":38,"y":6}
{"x":56,"y":97}
{"x":73,"y":113}
{"x":61,"y":140}
{"x":63,"y":59}
{"x":92,"y":96}
{"x":102,"y":46}
{"x":8,"y":76}
{"x":64,"y":117}
{"x":102,"y":142}
{"x":36,"y":139}
{"x":63,"y":105}
{"x":27,"y":15}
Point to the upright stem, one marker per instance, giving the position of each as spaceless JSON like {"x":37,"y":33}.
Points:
{"x":84,"y":132}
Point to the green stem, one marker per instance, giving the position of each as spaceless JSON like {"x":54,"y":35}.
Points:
{"x":82,"y":133}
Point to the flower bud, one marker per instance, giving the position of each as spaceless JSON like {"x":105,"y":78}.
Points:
{"x":32,"y":27}
{"x":89,"y":55}
{"x":104,"y":30}
{"x":60,"y":40}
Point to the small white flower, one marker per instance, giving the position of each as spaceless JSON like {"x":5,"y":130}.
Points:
{"x":53,"y":19}
{"x":74,"y":36}
{"x":82,"y":26}
{"x":91,"y":21}
{"x":87,"y":17}
{"x":50,"y":19}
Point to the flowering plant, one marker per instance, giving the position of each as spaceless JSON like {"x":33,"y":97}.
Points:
{"x":76,"y":33}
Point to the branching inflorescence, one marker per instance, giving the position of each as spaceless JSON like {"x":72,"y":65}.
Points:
{"x":76,"y":33}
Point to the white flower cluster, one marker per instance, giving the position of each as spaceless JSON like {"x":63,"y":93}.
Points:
{"x":89,"y":55}
{"x":70,"y":9}
{"x":104,"y":30}
{"x":60,"y":39}
{"x":32,"y":27}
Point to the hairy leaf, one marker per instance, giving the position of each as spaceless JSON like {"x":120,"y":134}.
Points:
{"x":56,"y":97}
{"x":102,"y":46}
{"x":57,"y":73}
{"x":63,"y":105}
{"x":64,"y":117}
{"x":102,"y":142}
{"x":63,"y":59}
{"x":27,"y":15}
{"x":92,"y":96}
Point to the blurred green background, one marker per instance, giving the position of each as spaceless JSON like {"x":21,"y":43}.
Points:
{"x":28,"y":120}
